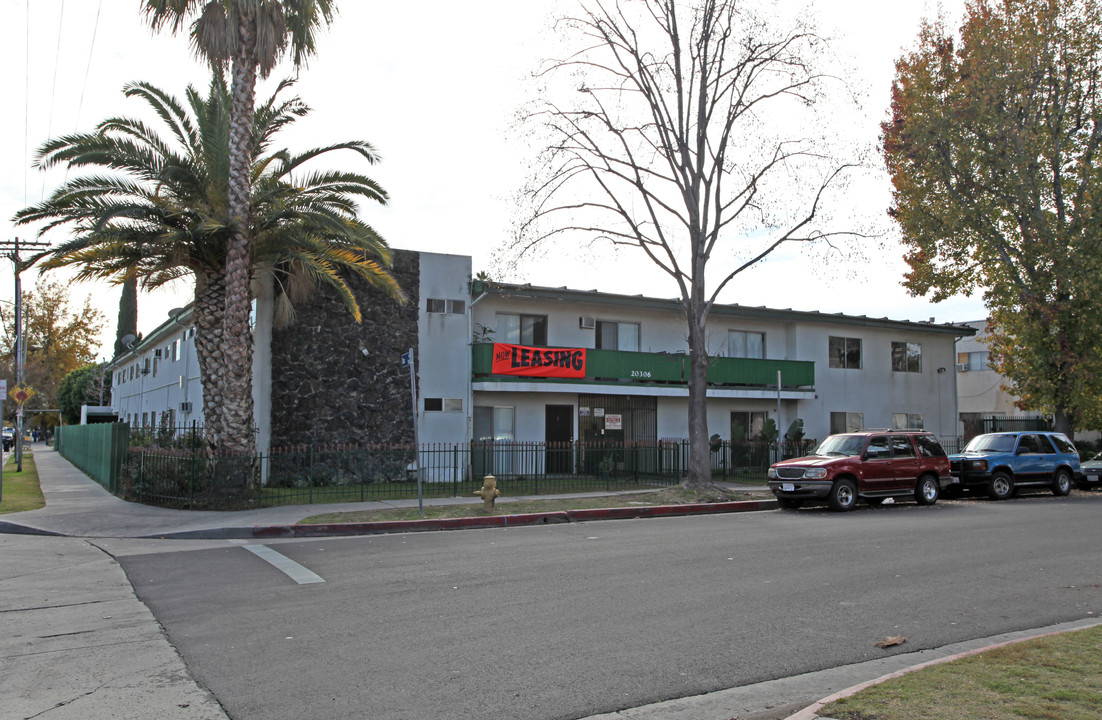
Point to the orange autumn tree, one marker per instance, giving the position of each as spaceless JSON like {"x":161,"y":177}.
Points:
{"x":992,"y":147}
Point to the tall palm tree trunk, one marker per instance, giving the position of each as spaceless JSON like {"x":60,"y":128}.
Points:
{"x":235,"y":431}
{"x":210,"y":304}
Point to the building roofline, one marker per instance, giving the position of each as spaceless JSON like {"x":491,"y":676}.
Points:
{"x":743,"y":311}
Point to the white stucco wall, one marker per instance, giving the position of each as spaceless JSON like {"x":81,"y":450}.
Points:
{"x":443,"y":348}
{"x":168,"y":384}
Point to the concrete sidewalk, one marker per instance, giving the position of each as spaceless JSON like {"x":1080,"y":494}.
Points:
{"x":77,"y":506}
{"x":78,"y":644}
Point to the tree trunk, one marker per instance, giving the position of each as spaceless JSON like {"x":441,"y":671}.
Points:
{"x":210,"y":304}
{"x":699,"y":470}
{"x":235,"y":430}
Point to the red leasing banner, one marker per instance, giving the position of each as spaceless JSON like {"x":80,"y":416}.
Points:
{"x":538,"y":362}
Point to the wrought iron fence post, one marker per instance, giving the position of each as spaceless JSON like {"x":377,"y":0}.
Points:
{"x":455,"y":470}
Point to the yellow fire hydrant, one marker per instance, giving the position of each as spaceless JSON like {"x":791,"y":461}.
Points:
{"x":488,"y":492}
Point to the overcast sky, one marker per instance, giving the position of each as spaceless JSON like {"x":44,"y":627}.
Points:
{"x":436,"y":87}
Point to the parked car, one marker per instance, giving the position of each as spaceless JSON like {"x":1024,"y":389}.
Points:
{"x":1000,"y":463}
{"x":872,"y":466}
{"x":9,"y":438}
{"x":1092,"y":473}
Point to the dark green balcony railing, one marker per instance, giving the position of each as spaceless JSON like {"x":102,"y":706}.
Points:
{"x":666,"y":368}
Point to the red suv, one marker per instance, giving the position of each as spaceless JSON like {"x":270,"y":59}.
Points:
{"x":871,"y":465}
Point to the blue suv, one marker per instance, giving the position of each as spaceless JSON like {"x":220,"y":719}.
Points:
{"x":1000,"y":463}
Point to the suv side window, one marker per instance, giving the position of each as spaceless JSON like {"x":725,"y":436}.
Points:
{"x":928,"y":446}
{"x":1046,"y":446}
{"x":1028,"y":444}
{"x":879,"y":448}
{"x":1062,"y":444}
{"x":901,"y":446}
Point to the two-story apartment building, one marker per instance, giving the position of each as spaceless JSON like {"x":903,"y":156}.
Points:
{"x":513,"y":362}
{"x":834,"y":372}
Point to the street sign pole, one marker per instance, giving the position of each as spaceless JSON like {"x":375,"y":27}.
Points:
{"x":407,"y":361}
{"x":3,"y":392}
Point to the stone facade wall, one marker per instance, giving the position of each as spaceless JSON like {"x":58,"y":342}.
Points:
{"x":336,"y":381}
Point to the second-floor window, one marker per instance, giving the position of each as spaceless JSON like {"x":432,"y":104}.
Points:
{"x":742,"y":344}
{"x":973,"y":360}
{"x":450,"y":307}
{"x":906,"y":357}
{"x":617,"y":336}
{"x":845,"y":353}
{"x":521,"y":329}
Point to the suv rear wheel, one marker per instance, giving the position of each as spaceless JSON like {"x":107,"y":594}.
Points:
{"x":927,"y":490}
{"x":1061,"y":483}
{"x":1000,"y":486}
{"x":843,"y":496}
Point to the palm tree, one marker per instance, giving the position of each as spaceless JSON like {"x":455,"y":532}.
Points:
{"x":252,"y":36}
{"x":161,"y":215}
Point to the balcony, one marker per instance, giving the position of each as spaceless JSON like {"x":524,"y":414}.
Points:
{"x":662,"y":369}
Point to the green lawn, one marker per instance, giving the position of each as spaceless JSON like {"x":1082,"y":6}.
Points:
{"x":669,"y":496}
{"x":1050,"y":678}
{"x":21,"y":490}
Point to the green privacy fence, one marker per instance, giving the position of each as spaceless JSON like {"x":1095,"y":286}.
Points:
{"x":97,"y":449}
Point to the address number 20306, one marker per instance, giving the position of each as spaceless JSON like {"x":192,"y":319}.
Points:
{"x":640,"y":373}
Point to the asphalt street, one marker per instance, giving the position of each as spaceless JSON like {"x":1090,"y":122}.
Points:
{"x":567,"y":621}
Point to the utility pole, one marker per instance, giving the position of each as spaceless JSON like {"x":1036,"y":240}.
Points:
{"x":10,"y":250}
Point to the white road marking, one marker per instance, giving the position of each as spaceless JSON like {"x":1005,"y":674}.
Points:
{"x":285,"y":564}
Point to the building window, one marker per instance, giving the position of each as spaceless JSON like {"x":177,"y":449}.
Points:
{"x":741,"y":344}
{"x":617,"y":336}
{"x":521,"y":329}
{"x":845,"y":353}
{"x":844,"y":422}
{"x":746,"y":425}
{"x":906,"y":357}
{"x":443,"y":404}
{"x":450,"y":307}
{"x":493,"y":423}
{"x":906,"y":421}
{"x":973,"y":360}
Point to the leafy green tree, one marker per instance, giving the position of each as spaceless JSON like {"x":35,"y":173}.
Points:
{"x":59,"y":339}
{"x":251,"y":36}
{"x":87,"y":385}
{"x":157,"y":213}
{"x":993,"y":152}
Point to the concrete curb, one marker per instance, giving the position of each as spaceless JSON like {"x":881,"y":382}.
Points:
{"x":9,"y":528}
{"x":811,"y":712}
{"x":493,"y":521}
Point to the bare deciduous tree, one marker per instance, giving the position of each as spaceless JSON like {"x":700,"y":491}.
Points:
{"x":688,"y":135}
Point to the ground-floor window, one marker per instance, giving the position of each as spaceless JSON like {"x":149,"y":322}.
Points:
{"x":494,"y":423}
{"x":907,"y":421}
{"x":617,"y":418}
{"x":843,"y":422}
{"x":747,"y":425}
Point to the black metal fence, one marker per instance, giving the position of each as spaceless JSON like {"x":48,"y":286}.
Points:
{"x":184,"y":476}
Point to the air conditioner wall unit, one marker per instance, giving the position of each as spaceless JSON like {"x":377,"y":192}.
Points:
{"x":962,"y":367}
{"x":587,"y":322}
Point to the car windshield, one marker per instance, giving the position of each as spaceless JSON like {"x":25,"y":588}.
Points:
{"x":992,"y":443}
{"x":841,"y":445}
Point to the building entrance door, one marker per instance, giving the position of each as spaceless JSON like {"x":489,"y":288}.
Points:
{"x":559,"y":435}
